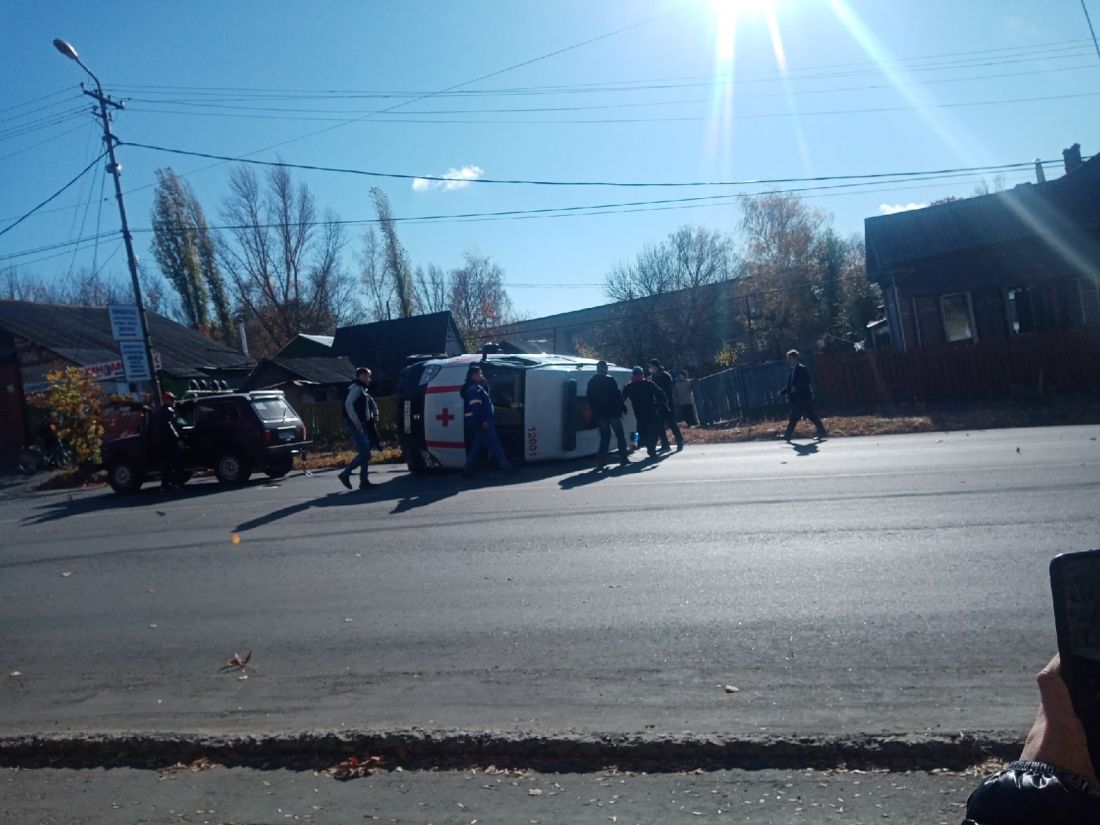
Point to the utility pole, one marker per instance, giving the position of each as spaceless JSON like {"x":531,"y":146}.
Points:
{"x":1092,"y":31}
{"x":105,"y":105}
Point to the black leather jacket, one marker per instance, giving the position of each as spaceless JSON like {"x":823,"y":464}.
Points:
{"x":1033,"y":793}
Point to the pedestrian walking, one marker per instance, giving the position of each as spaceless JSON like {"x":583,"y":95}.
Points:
{"x":605,"y":399}
{"x":800,"y":396}
{"x":649,"y":405}
{"x":166,"y":441}
{"x":361,"y":419}
{"x":480,"y":416}
{"x":683,"y":398}
{"x":659,"y":376}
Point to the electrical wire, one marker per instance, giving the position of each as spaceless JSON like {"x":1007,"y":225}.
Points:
{"x":34,"y":100}
{"x":536,"y":182}
{"x":1024,"y":54}
{"x":836,"y":189}
{"x":26,"y":215}
{"x":43,"y":142}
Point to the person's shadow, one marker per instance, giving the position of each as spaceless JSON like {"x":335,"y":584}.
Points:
{"x":598,"y":474}
{"x":804,"y":449}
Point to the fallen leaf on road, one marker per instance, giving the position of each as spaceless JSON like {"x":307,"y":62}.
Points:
{"x":15,"y":674}
{"x":354,"y":767}
{"x":236,"y":539}
{"x":242,"y":677}
{"x":237,"y":662}
{"x":199,"y":765}
{"x":66,"y":573}
{"x":153,"y":626}
{"x":534,"y":791}
{"x":732,"y":689}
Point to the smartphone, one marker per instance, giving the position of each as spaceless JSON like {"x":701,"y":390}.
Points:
{"x":1075,"y":584}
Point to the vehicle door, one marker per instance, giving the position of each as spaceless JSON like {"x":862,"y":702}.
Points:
{"x":217,"y":422}
{"x":507,"y":389}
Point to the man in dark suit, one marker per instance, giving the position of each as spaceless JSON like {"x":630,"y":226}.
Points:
{"x":659,"y":376}
{"x":800,"y":397}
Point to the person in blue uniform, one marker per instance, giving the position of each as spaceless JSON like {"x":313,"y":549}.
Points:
{"x":479,"y":416}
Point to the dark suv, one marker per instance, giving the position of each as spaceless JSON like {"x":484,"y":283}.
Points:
{"x":233,"y":434}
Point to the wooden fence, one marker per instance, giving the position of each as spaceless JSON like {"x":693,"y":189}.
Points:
{"x":1066,"y":362}
{"x":326,"y":419}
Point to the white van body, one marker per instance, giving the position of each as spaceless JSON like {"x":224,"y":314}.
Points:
{"x":541,"y":410}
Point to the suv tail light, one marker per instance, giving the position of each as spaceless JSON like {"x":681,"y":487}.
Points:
{"x":303,"y":431}
{"x":267,"y":436}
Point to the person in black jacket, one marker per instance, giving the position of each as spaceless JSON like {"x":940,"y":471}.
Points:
{"x":1054,"y":782}
{"x":659,"y":376}
{"x":649,"y":404}
{"x":361,"y":417}
{"x":800,"y":397}
{"x":166,"y":441}
{"x":605,"y":399}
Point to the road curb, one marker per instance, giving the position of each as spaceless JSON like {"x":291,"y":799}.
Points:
{"x":457,"y":750}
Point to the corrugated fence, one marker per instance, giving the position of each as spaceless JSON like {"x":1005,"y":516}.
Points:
{"x":743,"y":392}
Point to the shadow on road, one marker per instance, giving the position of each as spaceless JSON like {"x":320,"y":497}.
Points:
{"x":65,"y":504}
{"x":596,"y":474}
{"x":804,"y":449}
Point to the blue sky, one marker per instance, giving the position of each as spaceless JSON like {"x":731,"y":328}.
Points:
{"x":691,"y":90}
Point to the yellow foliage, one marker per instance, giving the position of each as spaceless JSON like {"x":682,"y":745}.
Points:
{"x":78,"y":403}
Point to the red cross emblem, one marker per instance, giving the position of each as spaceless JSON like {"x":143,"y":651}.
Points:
{"x":446,"y":417}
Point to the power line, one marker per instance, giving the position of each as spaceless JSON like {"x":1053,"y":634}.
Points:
{"x":26,"y":215}
{"x":1092,"y":31}
{"x":1034,"y":51}
{"x":536,"y":182}
{"x":287,"y":113}
{"x":856,"y":187}
{"x":43,"y":142}
{"x":412,"y":117}
{"x":32,"y":101}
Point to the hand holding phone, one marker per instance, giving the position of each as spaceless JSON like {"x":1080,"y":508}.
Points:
{"x":1075,"y":585}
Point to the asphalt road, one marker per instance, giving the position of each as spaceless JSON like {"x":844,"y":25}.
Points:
{"x":129,"y":797}
{"x":883,"y":584}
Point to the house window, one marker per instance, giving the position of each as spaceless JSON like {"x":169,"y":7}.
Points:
{"x":1021,"y":310}
{"x":958,"y":317}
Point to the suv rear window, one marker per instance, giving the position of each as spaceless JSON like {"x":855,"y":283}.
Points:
{"x":273,"y":409}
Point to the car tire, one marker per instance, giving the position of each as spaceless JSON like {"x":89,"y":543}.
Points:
{"x":232,"y":468}
{"x":279,"y":467}
{"x":125,"y":476}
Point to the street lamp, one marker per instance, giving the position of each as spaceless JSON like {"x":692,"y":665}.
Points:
{"x":116,"y":171}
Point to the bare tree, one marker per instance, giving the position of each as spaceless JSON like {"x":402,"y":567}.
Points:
{"x":674,"y":296}
{"x":479,"y":300}
{"x":395,"y":260}
{"x":286,"y":273}
{"x":433,"y":288}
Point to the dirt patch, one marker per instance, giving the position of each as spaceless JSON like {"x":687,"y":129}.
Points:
{"x":922,"y":420}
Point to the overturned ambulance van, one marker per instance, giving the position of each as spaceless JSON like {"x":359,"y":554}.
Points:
{"x":541,"y":409}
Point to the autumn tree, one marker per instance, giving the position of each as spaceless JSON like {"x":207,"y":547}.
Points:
{"x":284,"y":264}
{"x":801,"y":281}
{"x":78,"y":403}
{"x":185,"y":251}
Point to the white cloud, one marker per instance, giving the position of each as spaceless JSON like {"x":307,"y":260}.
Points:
{"x":894,"y":208}
{"x":455,"y":179}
